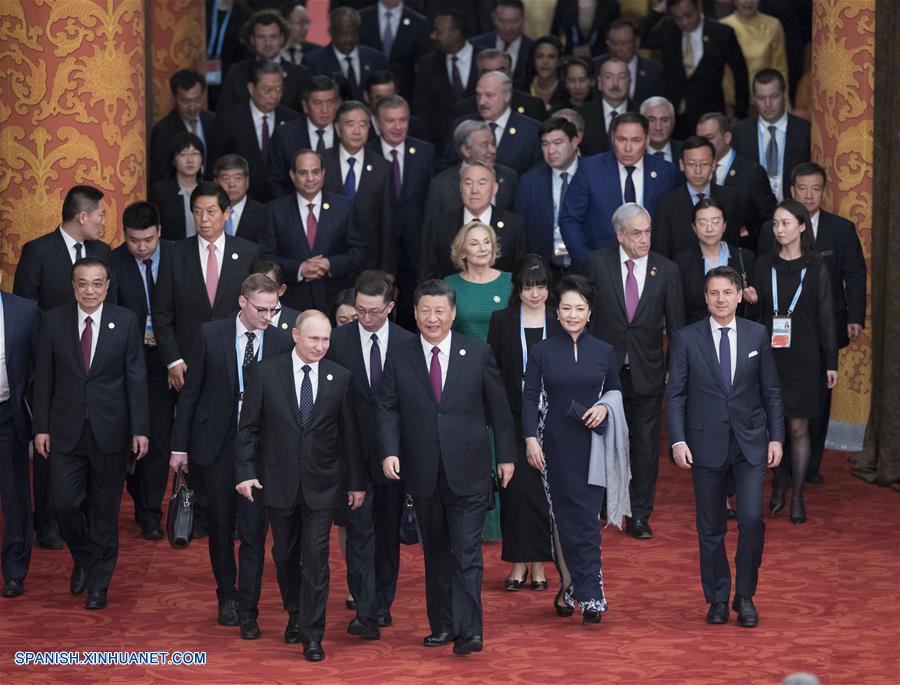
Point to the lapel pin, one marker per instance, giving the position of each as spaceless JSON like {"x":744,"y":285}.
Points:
{"x":326,"y":206}
{"x":642,"y":72}
{"x":284,"y":325}
{"x":234,"y":256}
{"x":652,"y":174}
{"x":705,"y":39}
{"x":329,"y":377}
{"x":406,"y":21}
{"x":512,"y":130}
{"x":462,"y":353}
{"x":412,"y":150}
{"x":731,"y":173}
{"x":520,"y":109}
{"x":368,"y":167}
{"x":500,"y":224}
{"x":496,"y":298}
{"x":365,"y":67}
{"x":111,"y":325}
{"x":653,"y":272}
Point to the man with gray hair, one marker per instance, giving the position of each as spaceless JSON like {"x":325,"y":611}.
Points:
{"x":232,"y":172}
{"x":514,"y":134}
{"x":661,"y":116}
{"x":640,"y":296}
{"x":522,"y":102}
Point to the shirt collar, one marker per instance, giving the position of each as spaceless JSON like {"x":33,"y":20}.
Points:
{"x":395,"y":12}
{"x":153,"y":258}
{"x":694,"y":193}
{"x":623,"y":257}
{"x":344,"y":155}
{"x":241,"y":328}
{"x":607,"y":108}
{"x":639,"y":165}
{"x":464,"y":54}
{"x":218,"y":242}
{"x":484,"y":217}
{"x":239,"y":207}
{"x":780,"y":123}
{"x":382,"y":333}
{"x":95,"y":316}
{"x":258,"y":115}
{"x":699,"y":30}
{"x":386,"y":148}
{"x":302,"y":202}
{"x":341,"y":57}
{"x":299,"y":363}
{"x":70,"y":241}
{"x":443,"y":346}
{"x":571,"y":169}
{"x":503,"y":119}
{"x":715,"y":325}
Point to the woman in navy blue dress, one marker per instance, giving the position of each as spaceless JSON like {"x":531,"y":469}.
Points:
{"x":570,"y":366}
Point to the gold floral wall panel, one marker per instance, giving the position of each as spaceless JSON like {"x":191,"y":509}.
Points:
{"x":71,"y":111}
{"x":178,"y":37}
{"x":843,"y":84}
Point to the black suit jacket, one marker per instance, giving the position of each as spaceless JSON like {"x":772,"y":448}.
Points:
{"x":253,"y":219}
{"x":661,"y":307}
{"x":181,"y":306}
{"x":521,"y":102}
{"x":565,"y":24}
{"x":524,"y":70}
{"x":411,"y":41}
{"x":234,"y":86}
{"x":323,"y":461}
{"x":323,"y":62}
{"x":672,"y":232}
{"x":690,"y":264}
{"x":519,"y":148}
{"x":534,"y":203}
{"x":443,"y":193}
{"x":113,"y":393}
{"x":433,"y":100}
{"x":206,"y":418}
{"x":21,"y":325}
{"x":596,"y":129}
{"x":339,"y":237}
{"x":131,"y":277}
{"x":166,"y":196}
{"x":160,"y":147}
{"x":292,"y":136}
{"x":413,"y":426}
{"x":649,"y":80}
{"x":347,"y":351}
{"x":745,"y":141}
{"x":374,"y":202}
{"x":237,"y":135}
{"x":758,"y":202}
{"x":441,"y":229}
{"x":44,"y":272}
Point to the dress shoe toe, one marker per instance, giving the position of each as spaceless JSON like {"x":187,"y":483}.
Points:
{"x":151,"y":532}
{"x":639,"y":529}
{"x":384,"y":619}
{"x":96,"y":600}
{"x":49,"y":538}
{"x":748,"y":616}
{"x":466,"y":644}
{"x":78,"y":580}
{"x":717,"y":614}
{"x":350,"y":604}
{"x":364,"y":628}
{"x":438,"y":639}
{"x":249,"y":629}
{"x":228,"y":613}
{"x":292,"y":631}
{"x":13,"y":588}
{"x":312,"y":651}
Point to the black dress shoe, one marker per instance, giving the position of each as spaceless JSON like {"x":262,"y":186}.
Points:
{"x":798,"y":511}
{"x":78,"y":580}
{"x":312,"y":651}
{"x":562,"y":609}
{"x":814,"y":478}
{"x":538,"y":585}
{"x":467,"y":643}
{"x":13,"y":588}
{"x":438,"y":639}
{"x":95,"y":600}
{"x":639,"y":529}
{"x":717,"y":614}
{"x":731,"y":514}
{"x":292,"y":631}
{"x":384,"y":619}
{"x":748,"y":617}
{"x":151,"y":531}
{"x":350,"y":604}
{"x":228,"y":613}
{"x":364,"y":628}
{"x":49,"y":537}
{"x":249,"y":629}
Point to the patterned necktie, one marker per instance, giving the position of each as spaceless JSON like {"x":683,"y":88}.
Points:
{"x":249,"y":352}
{"x":725,"y":358}
{"x":700,"y":196}
{"x":320,"y":145}
{"x":212,"y":274}
{"x":229,"y":226}
{"x":78,"y":253}
{"x":87,"y":339}
{"x":395,"y":167}
{"x":434,"y":370}
{"x":350,"y":179}
{"x":306,"y":397}
{"x":351,"y":74}
{"x":311,"y":226}
{"x":455,"y":78}
{"x":687,"y":54}
{"x":772,"y":153}
{"x":264,"y":148}
{"x":631,"y":291}
{"x":494,"y":128}
{"x":148,"y":278}
{"x":374,"y":363}
{"x":387,"y":38}
{"x":612,"y":118}
{"x":630,"y":193}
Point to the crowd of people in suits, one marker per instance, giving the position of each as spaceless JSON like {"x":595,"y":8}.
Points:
{"x":462,"y":271}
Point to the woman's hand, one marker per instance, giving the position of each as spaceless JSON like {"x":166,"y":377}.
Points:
{"x":831,"y":377}
{"x":594,"y":416}
{"x":750,"y":295}
{"x":534,"y":453}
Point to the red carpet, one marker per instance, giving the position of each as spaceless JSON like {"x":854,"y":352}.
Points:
{"x":828,"y":600}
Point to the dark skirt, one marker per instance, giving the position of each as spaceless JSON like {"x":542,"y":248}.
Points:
{"x":525,"y":517}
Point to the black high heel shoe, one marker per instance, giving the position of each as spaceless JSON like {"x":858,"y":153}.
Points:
{"x":798,"y":511}
{"x":776,"y":503}
{"x":564,"y":610}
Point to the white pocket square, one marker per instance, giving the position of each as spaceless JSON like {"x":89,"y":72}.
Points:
{"x":752,"y":354}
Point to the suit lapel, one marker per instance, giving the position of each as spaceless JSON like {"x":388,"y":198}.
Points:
{"x":708,"y":348}
{"x":454,"y":366}
{"x":326,"y":387}
{"x":193,"y":248}
{"x":418,"y":364}
{"x":105,"y":330}
{"x":72,"y":325}
{"x":287,"y":383}
{"x":322,"y":227}
{"x":742,"y":351}
{"x":229,"y":266}
{"x":615,"y":277}
{"x":229,"y":349}
{"x":62,"y":252}
{"x":650,"y":285}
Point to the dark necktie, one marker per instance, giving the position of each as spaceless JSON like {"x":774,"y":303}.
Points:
{"x":311,"y":226}
{"x":292,"y":51}
{"x":630,"y":193}
{"x":148,"y":278}
{"x":434,"y":370}
{"x":387,"y":38}
{"x":455,"y":78}
{"x":565,"y":186}
{"x":351,"y":74}
{"x":494,"y":127}
{"x":660,"y":153}
{"x":700,"y":196}
{"x":631,"y":291}
{"x":265,"y":138}
{"x":725,"y":358}
{"x":249,"y":352}
{"x":612,"y":118}
{"x":87,"y":339}
{"x":374,"y":363}
{"x":320,"y":145}
{"x":78,"y":253}
{"x":306,"y":397}
{"x":350,"y":180}
{"x":772,"y":153}
{"x":395,"y":166}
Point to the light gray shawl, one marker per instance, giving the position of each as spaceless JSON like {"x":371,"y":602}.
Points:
{"x":610,"y":463}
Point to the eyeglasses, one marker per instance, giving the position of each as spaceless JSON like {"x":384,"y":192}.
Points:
{"x":262,"y":311}
{"x":362,"y":311}
{"x":698,"y":165}
{"x":706,"y":223}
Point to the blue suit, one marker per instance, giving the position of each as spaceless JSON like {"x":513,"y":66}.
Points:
{"x":727,"y":432}
{"x":585,"y":219}
{"x":323,"y":62}
{"x":534,"y":203}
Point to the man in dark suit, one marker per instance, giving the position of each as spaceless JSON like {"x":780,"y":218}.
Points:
{"x":188,"y":91}
{"x":605,"y":181}
{"x":285,"y":317}
{"x":44,"y":275}
{"x":373,"y":530}
{"x":232,"y":172}
{"x":312,"y":131}
{"x":542,"y":190}
{"x":474,"y":143}
{"x":344,"y":56}
{"x":90,"y":412}
{"x":641,"y":298}
{"x":297,"y":447}
{"x":298,"y":21}
{"x":444,"y":76}
{"x":222,"y":365}
{"x":412,"y":161}
{"x":136,"y":264}
{"x":837,"y":242}
{"x":515,"y":135}
{"x":491,"y":59}
{"x":622,"y":42}
{"x":599,"y":113}
{"x":401,"y":35}
{"x":672,"y":228}
{"x":382,"y":84}
{"x":315,"y":236}
{"x":366,"y":178}
{"x":695,"y":51}
{"x":19,"y":325}
{"x":741,"y":174}
{"x":438,"y":393}
{"x":661,"y":117}
{"x":264,"y":34}
{"x":247,"y":129}
{"x":776,"y":139}
{"x":509,"y":38}
{"x":726,"y":424}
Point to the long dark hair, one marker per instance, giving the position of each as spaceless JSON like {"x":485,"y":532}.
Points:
{"x":808,"y":253}
{"x":530,"y":271}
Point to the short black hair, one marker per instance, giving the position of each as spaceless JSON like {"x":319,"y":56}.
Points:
{"x":285,"y":8}
{"x":379,"y":77}
{"x":211,"y":189}
{"x":632,"y":118}
{"x":320,"y":84}
{"x":229,"y":162}
{"x":515,"y":4}
{"x":728,"y":272}
{"x":546,"y":40}
{"x":185,"y":79}
{"x":768,"y":75}
{"x":622,"y":23}
{"x":305,"y":151}
{"x":346,"y":296}
{"x":708,"y":203}
{"x":434,"y":288}
{"x":558,"y":124}
{"x":808,"y":169}
{"x":578,"y":284}
{"x":696,"y":142}
{"x":457,"y":18}
{"x":587,"y":64}
{"x":140,"y":215}
{"x":80,"y":199}
{"x":374,"y":283}
{"x":351,"y":106}
{"x":182,"y":140}
{"x":89,"y":262}
{"x":265,"y":17}
{"x":266,"y":267}
{"x":260,"y":67}
{"x":529,"y":271}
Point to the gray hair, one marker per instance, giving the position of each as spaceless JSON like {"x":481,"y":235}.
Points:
{"x":506,"y":84}
{"x":573,"y":116}
{"x":626,"y":213}
{"x":657,"y":101}
{"x":494,"y":53}
{"x":469,"y":165}
{"x":464,"y":130}
{"x":800,"y":679}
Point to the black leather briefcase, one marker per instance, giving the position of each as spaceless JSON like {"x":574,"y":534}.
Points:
{"x":180,"y":524}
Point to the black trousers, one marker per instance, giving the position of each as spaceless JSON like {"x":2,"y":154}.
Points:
{"x":301,"y":532}
{"x":818,"y":428}
{"x":450,"y":526}
{"x":360,"y":525}
{"x":44,"y":514}
{"x":239,"y":581}
{"x":710,"y":485}
{"x":85,"y":473}
{"x":18,"y":527}
{"x":147,"y":485}
{"x":642,"y":414}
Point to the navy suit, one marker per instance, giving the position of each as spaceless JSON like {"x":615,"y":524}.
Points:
{"x":519,"y":148}
{"x":534,"y":203}
{"x":524,"y":70}
{"x":727,"y":431}
{"x":411,"y":41}
{"x":596,"y":193}
{"x":323,"y":62}
{"x":287,"y":139}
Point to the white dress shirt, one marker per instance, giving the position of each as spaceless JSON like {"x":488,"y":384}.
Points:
{"x":70,"y":245}
{"x":608,"y":109}
{"x":401,"y":155}
{"x":640,"y":270}
{"x":633,"y":70}
{"x":95,"y":327}
{"x":556,"y":175}
{"x":484,"y":217}
{"x":395,"y":12}
{"x":354,"y":58}
{"x":667,"y":153}
{"x":696,"y":38}
{"x":732,"y":340}
{"x":512,"y":50}
{"x":501,"y":122}
{"x":4,"y":376}
{"x":195,"y":127}
{"x":236,"y":211}
{"x":358,"y":166}
{"x":303,"y":205}
{"x":327,"y":134}
{"x":763,"y":137}
{"x":637,"y":177}
{"x":258,"y":123}
{"x":463,"y":63}
{"x":203,"y":251}
{"x":298,"y":365}
{"x":365,"y":340}
{"x":241,"y":334}
{"x":814,"y":220}
{"x":443,"y":356}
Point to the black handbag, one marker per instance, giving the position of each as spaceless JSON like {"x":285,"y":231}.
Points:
{"x":180,"y":524}
{"x":409,"y":527}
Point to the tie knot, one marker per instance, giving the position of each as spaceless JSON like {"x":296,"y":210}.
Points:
{"x":435,"y":351}
{"x":211,"y":248}
{"x":251,"y":335}
{"x":320,"y":131}
{"x":88,"y":321}
{"x":148,"y":263}
{"x":629,"y":264}
{"x":493,"y":125}
{"x":564,"y":176}
{"x":394,"y":154}
{"x":724,"y":330}
{"x":351,"y":161}
{"x":78,"y":246}
{"x":388,"y":14}
{"x":700,"y":196}
{"x":454,"y":59}
{"x":772,"y":130}
{"x":374,"y":338}
{"x":614,"y":113}
{"x":630,"y":169}
{"x":306,"y":368}
{"x":311,"y":206}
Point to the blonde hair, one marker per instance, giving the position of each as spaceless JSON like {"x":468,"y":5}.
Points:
{"x":458,"y":246}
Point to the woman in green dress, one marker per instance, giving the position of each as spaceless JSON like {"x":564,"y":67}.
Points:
{"x":480,"y":291}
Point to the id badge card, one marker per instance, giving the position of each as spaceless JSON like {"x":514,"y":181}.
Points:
{"x":781,"y":332}
{"x":149,"y":338}
{"x":214,"y":72}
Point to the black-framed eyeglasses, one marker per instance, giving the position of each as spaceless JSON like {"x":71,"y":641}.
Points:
{"x":362,"y":311}
{"x":274,"y":311}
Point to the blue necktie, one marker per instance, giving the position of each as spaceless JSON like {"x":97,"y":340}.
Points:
{"x":725,"y":358}
{"x":387,"y":38}
{"x":229,"y":226}
{"x":78,"y":253}
{"x":306,"y":397}
{"x":350,"y":181}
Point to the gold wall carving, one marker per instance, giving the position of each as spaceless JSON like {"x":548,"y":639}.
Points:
{"x":178,"y":32}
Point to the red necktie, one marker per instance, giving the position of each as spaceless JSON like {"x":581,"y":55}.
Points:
{"x":311,"y":226}
{"x":212,"y":274}
{"x":87,"y":339}
{"x":434,"y":370}
{"x":265,"y":138}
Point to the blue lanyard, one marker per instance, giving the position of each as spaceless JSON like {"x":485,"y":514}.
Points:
{"x":214,"y":30}
{"x":576,"y":35}
{"x":793,"y":304}
{"x":525,"y":344}
{"x":724,"y":256}
{"x":240,"y":358}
